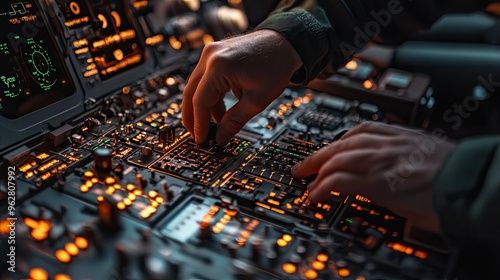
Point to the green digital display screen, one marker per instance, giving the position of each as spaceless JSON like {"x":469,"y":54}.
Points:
{"x":32,"y":72}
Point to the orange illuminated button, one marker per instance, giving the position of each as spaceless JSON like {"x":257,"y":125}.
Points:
{"x":287,"y":237}
{"x":351,"y":65}
{"x":72,"y":249}
{"x":289,"y":268}
{"x":311,"y":274}
{"x":170,"y":81}
{"x":152,"y":194}
{"x":39,"y":274}
{"x":138,"y":192}
{"x":132,"y":196}
{"x":44,"y":226}
{"x":63,"y":256}
{"x":145,"y":214}
{"x":84,"y":188}
{"x":368,"y":84}
{"x":121,"y":206}
{"x":322,"y":257}
{"x":39,"y":235}
{"x":318,"y":265}
{"x":281,"y":242}
{"x":420,"y":254}
{"x":216,"y":229}
{"x":61,"y":277}
{"x":127,"y":201}
{"x":81,"y":242}
{"x":30,"y":222}
{"x":344,"y":272}
{"x":110,"y":180}
{"x":245,"y":234}
{"x":110,"y":190}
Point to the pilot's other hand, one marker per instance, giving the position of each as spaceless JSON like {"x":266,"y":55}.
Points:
{"x":256,"y":67}
{"x":392,"y":166}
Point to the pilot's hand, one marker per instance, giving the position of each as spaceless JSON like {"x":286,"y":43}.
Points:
{"x":392,"y":166}
{"x":256,"y":67}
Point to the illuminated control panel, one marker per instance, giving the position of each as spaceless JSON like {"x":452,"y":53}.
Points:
{"x":106,"y":41}
{"x":118,"y":189}
{"x":33,"y":74}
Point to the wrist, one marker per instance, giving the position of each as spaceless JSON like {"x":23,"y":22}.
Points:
{"x":281,"y":45}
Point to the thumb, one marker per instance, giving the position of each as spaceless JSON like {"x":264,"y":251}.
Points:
{"x":234,"y":120}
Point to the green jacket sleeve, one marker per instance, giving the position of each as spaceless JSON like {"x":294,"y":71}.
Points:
{"x":467,"y":193}
{"x":329,"y":31}
{"x":308,"y":29}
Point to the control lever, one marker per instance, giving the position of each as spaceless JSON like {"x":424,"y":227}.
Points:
{"x":212,"y":132}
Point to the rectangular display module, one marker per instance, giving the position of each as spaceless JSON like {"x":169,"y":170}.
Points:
{"x":32,"y":74}
{"x":110,"y":44}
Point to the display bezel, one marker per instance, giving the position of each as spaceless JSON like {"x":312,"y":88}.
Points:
{"x":35,"y":123}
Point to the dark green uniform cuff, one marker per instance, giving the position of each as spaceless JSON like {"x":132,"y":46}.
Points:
{"x":307,"y":35}
{"x":467,"y":192}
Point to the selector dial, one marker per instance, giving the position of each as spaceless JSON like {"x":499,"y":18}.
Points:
{"x":40,"y":65}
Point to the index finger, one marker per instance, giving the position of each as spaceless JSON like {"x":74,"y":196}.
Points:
{"x":312,"y":164}
{"x":211,"y":89}
{"x":187,"y":98}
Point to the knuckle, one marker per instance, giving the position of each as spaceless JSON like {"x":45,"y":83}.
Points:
{"x":335,"y":146}
{"x":217,"y":60}
{"x":364,"y":125}
{"x":324,"y":169}
{"x":210,"y":48}
{"x":336,"y":179}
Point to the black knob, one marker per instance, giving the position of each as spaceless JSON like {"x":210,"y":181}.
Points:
{"x":256,"y":247}
{"x":174,"y":269}
{"x":271,"y":123}
{"x":140,"y":182}
{"x":146,"y":151}
{"x":108,"y":214}
{"x":233,"y":249}
{"x":121,"y":262}
{"x":103,"y":162}
{"x":121,"y":118}
{"x":61,"y":181}
{"x":119,"y":170}
{"x":166,"y":135}
{"x":163,"y":94}
{"x":303,"y":248}
{"x":165,"y":188}
{"x":128,"y":129}
{"x":212,"y":132}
